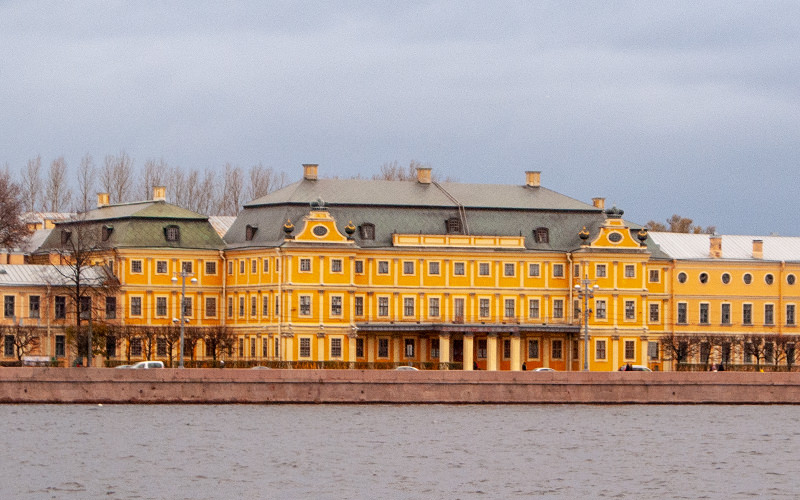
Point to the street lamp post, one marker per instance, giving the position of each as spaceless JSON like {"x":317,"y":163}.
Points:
{"x":183,"y":275}
{"x":585,"y":290}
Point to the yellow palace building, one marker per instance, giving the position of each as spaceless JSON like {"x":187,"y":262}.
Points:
{"x":346,"y":273}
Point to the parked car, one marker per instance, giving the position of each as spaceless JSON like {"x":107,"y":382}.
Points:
{"x":122,"y":367}
{"x":406,"y":368}
{"x":146,"y":365}
{"x":634,"y":368}
{"x":543,"y":369}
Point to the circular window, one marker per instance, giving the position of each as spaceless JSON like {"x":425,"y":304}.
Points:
{"x":790,"y":279}
{"x":703,"y":277}
{"x":682,"y":277}
{"x":747,"y":278}
{"x":614,"y":237}
{"x":320,"y":231}
{"x":768,"y":279}
{"x":726,"y":278}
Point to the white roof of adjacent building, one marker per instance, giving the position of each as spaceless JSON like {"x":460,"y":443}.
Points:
{"x":38,"y":275}
{"x":684,"y":246}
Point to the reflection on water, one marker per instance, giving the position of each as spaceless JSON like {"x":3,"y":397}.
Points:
{"x":421,"y":451}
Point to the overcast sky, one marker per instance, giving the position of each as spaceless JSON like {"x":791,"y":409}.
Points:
{"x":662,"y":108}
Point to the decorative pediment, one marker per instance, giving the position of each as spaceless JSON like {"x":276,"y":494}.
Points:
{"x":320,"y":227}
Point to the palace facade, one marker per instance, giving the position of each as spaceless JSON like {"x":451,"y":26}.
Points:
{"x":371,"y":273}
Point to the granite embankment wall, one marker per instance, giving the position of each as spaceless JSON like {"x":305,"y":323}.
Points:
{"x":102,"y":385}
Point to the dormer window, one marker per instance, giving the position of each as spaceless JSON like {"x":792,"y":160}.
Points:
{"x":249,"y":232}
{"x":453,"y":225}
{"x":541,"y":235}
{"x":106,"y":232}
{"x":172,"y":233}
{"x":66,"y":236}
{"x":367,"y":231}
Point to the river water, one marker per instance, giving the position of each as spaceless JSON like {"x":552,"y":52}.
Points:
{"x":403,"y":452}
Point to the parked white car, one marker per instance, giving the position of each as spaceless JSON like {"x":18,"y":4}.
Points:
{"x":146,"y":365}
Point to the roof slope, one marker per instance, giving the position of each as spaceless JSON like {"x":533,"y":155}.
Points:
{"x":684,"y":246}
{"x":37,"y":275}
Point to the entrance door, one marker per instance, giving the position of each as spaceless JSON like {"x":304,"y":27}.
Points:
{"x":458,"y":351}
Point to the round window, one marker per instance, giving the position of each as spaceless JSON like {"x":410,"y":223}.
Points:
{"x":703,"y":277}
{"x":682,"y":277}
{"x":320,"y":231}
{"x":790,"y":279}
{"x":614,"y":237}
{"x":726,"y":278}
{"x":747,"y":278}
{"x":768,"y":279}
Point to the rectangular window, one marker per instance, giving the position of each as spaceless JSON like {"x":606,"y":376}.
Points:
{"x":790,"y":314}
{"x":600,"y":310}
{"x":252,"y":348}
{"x":241,"y":271}
{"x":459,"y":269}
{"x":253,"y":306}
{"x":187,"y":266}
{"x":230,"y":267}
{"x":558,"y":270}
{"x":265,"y":306}
{"x":533,"y":270}
{"x":458,"y":310}
{"x":359,"y":348}
{"x":61,"y":346}
{"x":510,"y":308}
{"x":161,"y":267}
{"x":60,"y":308}
{"x":655,"y":313}
{"x":8,"y":346}
{"x":277,"y":305}
{"x":359,"y":306}
{"x":747,"y":314}
{"x":533,"y":308}
{"x":383,"y":306}
{"x":336,"y":267}
{"x":483,"y":269}
{"x":434,"y":348}
{"x":630,"y":271}
{"x":576,"y":309}
{"x":265,"y":270}
{"x":383,"y":267}
{"x":136,"y":347}
{"x":409,"y":345}
{"x":8,"y":306}
{"x":630,"y":309}
{"x":188,"y":306}
{"x":305,"y":265}
{"x":136,"y":267}
{"x":336,"y":347}
{"x":161,"y":306}
{"x":305,"y":305}
{"x":336,"y":305}
{"x":34,"y":306}
{"x":600,"y":350}
{"x":601,"y":271}
{"x":408,"y":306}
{"x":704,"y":314}
{"x":682,"y":315}
{"x":576,"y":270}
{"x":533,"y":348}
{"x":211,"y":307}
{"x":558,"y":349}
{"x":408,"y":267}
{"x":305,"y":347}
{"x":769,"y":314}
{"x":433,"y":307}
{"x":630,"y":350}
{"x":161,"y":346}
{"x":506,"y":348}
{"x":769,"y":352}
{"x":241,"y":307}
{"x":111,"y":307}
{"x":241,"y":347}
{"x":230,"y":307}
{"x":433,"y":268}
{"x":483,"y":308}
{"x":136,"y":306}
{"x":481,"y":348}
{"x":725,"y":314}
{"x":359,"y":267}
{"x":652,"y":350}
{"x":253,"y":269}
{"x":509,"y":270}
{"x":558,"y":308}
{"x":383,"y":348}
{"x":655,"y":276}
{"x":277,"y":340}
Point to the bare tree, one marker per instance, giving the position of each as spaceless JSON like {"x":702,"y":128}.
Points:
{"x":218,"y":340}
{"x":12,"y":228}
{"x":25,"y":338}
{"x":754,"y":345}
{"x":31,"y":184}
{"x":176,"y":187}
{"x":87,"y":180}
{"x":115,"y":176}
{"x":680,"y":348}
{"x":155,"y":173}
{"x":207,"y":193}
{"x":58,"y":192}
{"x":232,"y":190}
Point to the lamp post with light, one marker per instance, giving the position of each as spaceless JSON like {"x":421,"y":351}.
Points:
{"x":183,"y":275}
{"x":585,"y":289}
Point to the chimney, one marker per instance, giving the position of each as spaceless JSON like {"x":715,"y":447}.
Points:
{"x":533,"y":179}
{"x":310,"y":171}
{"x":758,"y":249}
{"x":424,"y":175}
{"x":599,"y":203}
{"x":715,"y":246}
{"x":102,"y":200}
{"x":159,"y":193}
